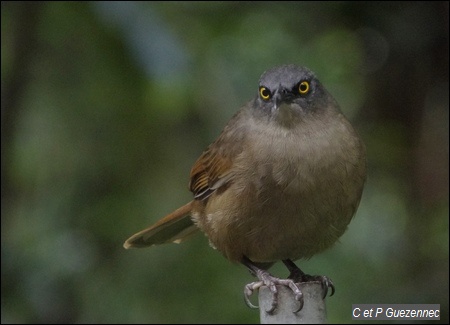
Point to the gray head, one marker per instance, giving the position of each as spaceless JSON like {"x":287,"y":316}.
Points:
{"x":285,"y":76}
{"x":289,"y":90}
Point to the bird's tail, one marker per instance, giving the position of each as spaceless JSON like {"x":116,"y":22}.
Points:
{"x":173,"y":228}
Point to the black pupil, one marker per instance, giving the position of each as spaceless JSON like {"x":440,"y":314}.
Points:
{"x":303,"y":87}
{"x":265,"y":92}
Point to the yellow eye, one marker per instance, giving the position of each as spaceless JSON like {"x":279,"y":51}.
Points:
{"x":264,"y":93}
{"x":303,"y":87}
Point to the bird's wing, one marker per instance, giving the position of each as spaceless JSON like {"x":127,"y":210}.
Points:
{"x":213,"y":169}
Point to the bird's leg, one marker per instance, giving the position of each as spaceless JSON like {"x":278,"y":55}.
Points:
{"x":299,"y":276}
{"x":265,"y":278}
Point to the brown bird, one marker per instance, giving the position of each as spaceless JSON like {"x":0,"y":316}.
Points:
{"x":281,"y":183}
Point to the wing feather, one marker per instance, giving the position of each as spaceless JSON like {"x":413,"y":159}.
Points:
{"x":213,"y":169}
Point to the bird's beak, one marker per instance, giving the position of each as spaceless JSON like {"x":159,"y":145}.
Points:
{"x":280,"y":97}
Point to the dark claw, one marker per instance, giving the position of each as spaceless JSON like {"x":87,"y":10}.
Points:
{"x":248,"y":291}
{"x":249,"y":303}
{"x":274,"y":306}
{"x":326,"y":283}
{"x":274,"y":291}
{"x":300,"y":299}
{"x":298,"y":296}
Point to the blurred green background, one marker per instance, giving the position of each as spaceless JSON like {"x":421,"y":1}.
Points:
{"x":106,"y":106}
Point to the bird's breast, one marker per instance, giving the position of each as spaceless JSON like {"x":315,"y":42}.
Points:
{"x":292,"y":195}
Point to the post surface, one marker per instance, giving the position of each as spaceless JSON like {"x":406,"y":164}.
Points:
{"x":313,"y":312}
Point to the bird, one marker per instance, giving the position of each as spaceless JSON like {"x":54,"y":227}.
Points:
{"x":281,"y":183}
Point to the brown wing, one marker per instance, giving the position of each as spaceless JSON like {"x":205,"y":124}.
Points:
{"x":214,"y":167}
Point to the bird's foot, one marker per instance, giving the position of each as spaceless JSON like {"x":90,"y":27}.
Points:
{"x":324,"y":280}
{"x":299,"y":276}
{"x":271,"y":282}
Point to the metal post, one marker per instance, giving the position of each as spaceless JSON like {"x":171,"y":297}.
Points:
{"x":313,"y":311}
